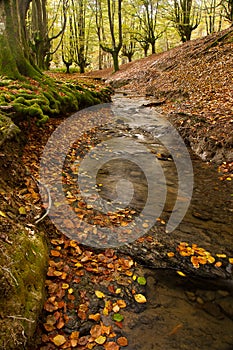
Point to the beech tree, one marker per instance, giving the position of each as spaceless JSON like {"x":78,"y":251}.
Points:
{"x":14,"y":49}
{"x":213,"y":16}
{"x":41,"y":33}
{"x":186,"y":16}
{"x":228,"y":10}
{"x":114,"y":20}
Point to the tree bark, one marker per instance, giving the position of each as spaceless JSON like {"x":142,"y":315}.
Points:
{"x":14,"y":51}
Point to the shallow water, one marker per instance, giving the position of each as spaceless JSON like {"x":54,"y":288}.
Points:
{"x":181,"y":313}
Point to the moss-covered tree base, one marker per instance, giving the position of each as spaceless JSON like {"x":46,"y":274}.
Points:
{"x":46,"y":97}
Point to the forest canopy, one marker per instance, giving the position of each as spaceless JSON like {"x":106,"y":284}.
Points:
{"x":36,"y":35}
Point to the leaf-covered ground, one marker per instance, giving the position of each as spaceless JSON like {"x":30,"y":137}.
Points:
{"x":194,"y":85}
{"x":91,"y":294}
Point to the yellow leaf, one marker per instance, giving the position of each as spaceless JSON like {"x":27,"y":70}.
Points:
{"x":3,"y":214}
{"x":22,"y":211}
{"x":231,"y":260}
{"x":118,"y":291}
{"x":100,"y":340}
{"x":99,"y":294}
{"x":140,"y":298}
{"x":65,"y":286}
{"x":70,"y":290}
{"x":59,"y":340}
{"x":78,"y":264}
{"x":181,"y":273}
{"x":211,"y":259}
{"x":221,"y":255}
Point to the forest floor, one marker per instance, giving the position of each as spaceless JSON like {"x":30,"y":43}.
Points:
{"x":105,"y":299}
{"x":119,"y":303}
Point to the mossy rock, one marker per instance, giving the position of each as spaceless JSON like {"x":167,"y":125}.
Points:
{"x":21,"y":287}
{"x":8,"y":129}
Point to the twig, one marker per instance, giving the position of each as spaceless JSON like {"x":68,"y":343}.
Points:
{"x":49,"y":203}
{"x":10,"y":273}
{"x":21,"y":318}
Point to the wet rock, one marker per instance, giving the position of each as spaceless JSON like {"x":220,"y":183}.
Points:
{"x":190,"y":295}
{"x":213,"y":310}
{"x":223,"y":293}
{"x":226,"y":306}
{"x":199,"y":300}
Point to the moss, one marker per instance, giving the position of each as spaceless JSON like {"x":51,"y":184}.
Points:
{"x":8,"y":129}
{"x":46,"y":98}
{"x":22,"y":288}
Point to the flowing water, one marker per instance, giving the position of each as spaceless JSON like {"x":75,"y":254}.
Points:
{"x":181,"y":313}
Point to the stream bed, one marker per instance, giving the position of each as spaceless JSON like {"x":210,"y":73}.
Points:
{"x":181,"y":313}
{"x":179,"y":201}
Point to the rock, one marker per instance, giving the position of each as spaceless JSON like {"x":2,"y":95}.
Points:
{"x":227,"y":306}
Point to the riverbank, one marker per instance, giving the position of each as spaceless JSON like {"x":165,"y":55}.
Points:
{"x":192,"y":84}
{"x":25,"y":106}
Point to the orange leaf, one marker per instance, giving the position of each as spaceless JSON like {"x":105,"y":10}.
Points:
{"x":170,"y":254}
{"x":55,"y":253}
{"x":95,"y":317}
{"x":95,"y":331}
{"x":111,"y":346}
{"x":122,"y":341}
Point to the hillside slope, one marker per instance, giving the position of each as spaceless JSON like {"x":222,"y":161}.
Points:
{"x":193,"y":84}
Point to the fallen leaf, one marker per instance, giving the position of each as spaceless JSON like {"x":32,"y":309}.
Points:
{"x":118,"y":317}
{"x":181,"y":273}
{"x":121,"y":303}
{"x":94,"y":317}
{"x":141,"y":281}
{"x":99,"y":294}
{"x":96,"y":331}
{"x":111,"y":346}
{"x":22,"y":211}
{"x":101,"y":340}
{"x":140,"y":298}
{"x":59,"y":340}
{"x":170,"y":254}
{"x":122,"y":341}
{"x":221,"y":255}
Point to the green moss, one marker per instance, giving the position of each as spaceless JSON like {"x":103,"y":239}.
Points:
{"x":8,"y":129}
{"x":22,"y":287}
{"x":47,"y":98}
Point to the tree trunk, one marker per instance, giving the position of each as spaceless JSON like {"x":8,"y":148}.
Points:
{"x":14,"y":51}
{"x":115,"y":60}
{"x":152,"y":47}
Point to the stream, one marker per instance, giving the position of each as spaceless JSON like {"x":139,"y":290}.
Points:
{"x":141,"y":162}
{"x":180,"y":313}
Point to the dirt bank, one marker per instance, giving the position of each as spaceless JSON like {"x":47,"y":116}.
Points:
{"x":193,"y":85}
